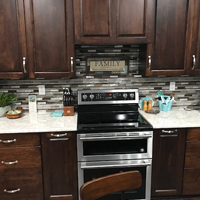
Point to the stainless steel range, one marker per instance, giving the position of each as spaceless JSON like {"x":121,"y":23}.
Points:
{"x":113,"y":137}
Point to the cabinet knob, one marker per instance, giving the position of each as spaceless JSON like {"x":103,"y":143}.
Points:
{"x":11,"y":191}
{"x":24,"y":64}
{"x":72,"y":64}
{"x":193,"y":61}
{"x":149,"y":61}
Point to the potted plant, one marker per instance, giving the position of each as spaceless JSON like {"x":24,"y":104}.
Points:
{"x":5,"y":100}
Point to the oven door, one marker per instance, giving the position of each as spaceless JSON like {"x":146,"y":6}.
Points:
{"x":114,"y":146}
{"x":88,"y":171}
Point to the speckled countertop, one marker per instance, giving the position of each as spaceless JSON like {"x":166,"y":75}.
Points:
{"x":173,"y":119}
{"x":38,"y":123}
{"x":32,"y":123}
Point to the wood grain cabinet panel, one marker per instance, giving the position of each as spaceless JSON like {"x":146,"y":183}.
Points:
{"x":59,"y":166}
{"x":113,"y":21}
{"x":12,"y":39}
{"x":50,"y":34}
{"x":168,"y":161}
{"x":193,"y":39}
{"x":91,"y":16}
{"x":168,"y":50}
{"x":19,"y":140}
{"x":191,"y":177}
{"x":20,"y":161}
{"x":23,"y":187}
{"x":191,"y":181}
{"x":130,"y":14}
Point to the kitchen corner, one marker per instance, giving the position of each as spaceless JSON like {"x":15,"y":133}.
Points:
{"x":173,"y":119}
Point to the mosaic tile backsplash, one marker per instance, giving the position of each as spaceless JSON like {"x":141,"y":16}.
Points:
{"x":187,"y":91}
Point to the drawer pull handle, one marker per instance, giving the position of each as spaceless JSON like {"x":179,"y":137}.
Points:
{"x":194,"y":61}
{"x":9,"y":163}
{"x":58,"y":135}
{"x":8,"y":141}
{"x":11,"y":191}
{"x":149,"y":61}
{"x":24,"y":64}
{"x":164,"y":131}
{"x":72,"y":64}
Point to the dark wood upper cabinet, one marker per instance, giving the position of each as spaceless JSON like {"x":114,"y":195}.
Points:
{"x":167,"y":53}
{"x":113,"y":21}
{"x":59,"y":166}
{"x":12,"y":39}
{"x":168,"y":162}
{"x":50,"y":38}
{"x":193,"y":38}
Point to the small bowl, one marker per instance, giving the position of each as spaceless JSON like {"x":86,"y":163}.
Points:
{"x":13,"y":114}
{"x":19,"y":108}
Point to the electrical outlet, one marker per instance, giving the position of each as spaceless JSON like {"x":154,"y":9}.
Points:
{"x":41,"y":89}
{"x":172,"y":86}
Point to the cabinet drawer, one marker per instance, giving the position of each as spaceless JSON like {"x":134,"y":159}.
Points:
{"x":193,"y":135}
{"x":30,"y":188}
{"x":23,"y":160}
{"x":191,"y":181}
{"x":19,"y":140}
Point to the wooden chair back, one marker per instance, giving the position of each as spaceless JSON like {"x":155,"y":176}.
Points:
{"x":100,"y":187}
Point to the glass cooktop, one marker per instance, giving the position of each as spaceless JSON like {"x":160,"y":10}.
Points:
{"x":111,"y":118}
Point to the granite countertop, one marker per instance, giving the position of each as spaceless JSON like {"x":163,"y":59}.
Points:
{"x":32,"y":123}
{"x":38,"y":123}
{"x":173,"y":119}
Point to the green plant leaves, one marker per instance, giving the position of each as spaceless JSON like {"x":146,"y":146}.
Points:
{"x":6,"y":99}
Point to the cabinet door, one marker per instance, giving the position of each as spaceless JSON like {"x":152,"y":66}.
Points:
{"x":168,"y":161}
{"x":12,"y":39}
{"x":167,"y":56}
{"x":191,"y":179}
{"x":193,"y":38}
{"x":113,"y":21}
{"x":59,"y":166}
{"x":50,"y":35}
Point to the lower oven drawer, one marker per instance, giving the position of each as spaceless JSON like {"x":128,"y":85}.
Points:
{"x":21,"y":188}
{"x":88,"y":171}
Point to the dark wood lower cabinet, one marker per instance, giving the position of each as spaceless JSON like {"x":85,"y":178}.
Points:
{"x":168,"y":162}
{"x":22,"y":187}
{"x":59,"y":166}
{"x":191,"y":179}
{"x":20,"y":167}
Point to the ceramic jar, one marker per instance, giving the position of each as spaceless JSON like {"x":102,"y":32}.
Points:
{"x":3,"y":110}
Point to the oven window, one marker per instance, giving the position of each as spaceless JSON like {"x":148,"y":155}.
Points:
{"x":90,"y":174}
{"x":114,"y":147}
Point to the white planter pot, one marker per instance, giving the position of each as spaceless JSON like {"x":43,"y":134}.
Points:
{"x":3,"y":110}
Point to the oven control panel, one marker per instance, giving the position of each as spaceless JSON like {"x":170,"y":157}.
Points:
{"x":108,"y":96}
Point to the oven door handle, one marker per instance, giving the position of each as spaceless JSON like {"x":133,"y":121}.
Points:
{"x":113,"y":138}
{"x":96,"y":165}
